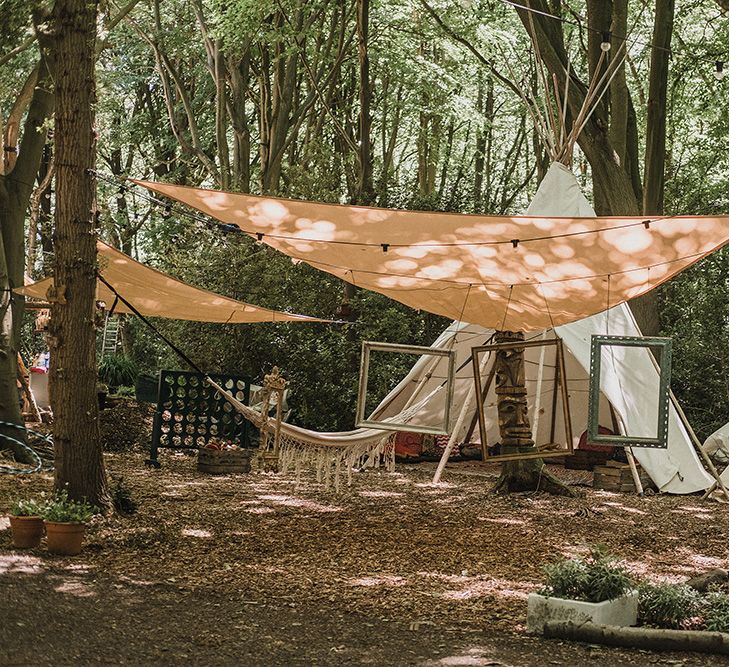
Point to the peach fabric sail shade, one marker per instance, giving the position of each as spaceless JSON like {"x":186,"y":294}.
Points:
{"x":506,"y":272}
{"x":156,"y":294}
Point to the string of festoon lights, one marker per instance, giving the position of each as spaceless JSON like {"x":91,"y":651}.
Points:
{"x":168,"y":208}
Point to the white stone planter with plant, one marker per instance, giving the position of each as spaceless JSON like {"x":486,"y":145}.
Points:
{"x":596,"y":589}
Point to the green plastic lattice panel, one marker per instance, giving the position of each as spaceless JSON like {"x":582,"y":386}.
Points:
{"x":190,"y":412}
{"x":664,"y":386}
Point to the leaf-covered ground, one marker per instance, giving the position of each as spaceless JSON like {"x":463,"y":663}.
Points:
{"x":251,"y":569}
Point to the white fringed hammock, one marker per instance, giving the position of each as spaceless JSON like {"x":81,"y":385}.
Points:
{"x":333,"y":455}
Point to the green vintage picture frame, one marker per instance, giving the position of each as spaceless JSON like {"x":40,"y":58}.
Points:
{"x":664,"y":390}
{"x":367,"y":348}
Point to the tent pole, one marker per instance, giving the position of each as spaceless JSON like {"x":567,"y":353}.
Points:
{"x":634,"y":471}
{"x":459,"y":423}
{"x":555,"y":389}
{"x":628,"y":452}
{"x":697,"y":445}
{"x":538,"y":397}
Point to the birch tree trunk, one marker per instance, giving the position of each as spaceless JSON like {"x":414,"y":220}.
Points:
{"x":78,"y":458}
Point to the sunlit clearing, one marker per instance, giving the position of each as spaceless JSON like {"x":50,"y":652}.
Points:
{"x":196,"y":532}
{"x":15,"y":564}
{"x":385,"y":580}
{"x":630,"y":510}
{"x":260,"y":510}
{"x":505,"y":521}
{"x":291,"y":501}
{"x":474,"y":657}
{"x":381,"y":494}
{"x":75,"y":588}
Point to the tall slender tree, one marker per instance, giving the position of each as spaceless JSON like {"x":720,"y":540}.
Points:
{"x":78,"y":457}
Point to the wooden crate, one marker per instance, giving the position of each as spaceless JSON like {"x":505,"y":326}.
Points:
{"x":222,"y":462}
{"x":584,"y":459}
{"x":616,"y":476}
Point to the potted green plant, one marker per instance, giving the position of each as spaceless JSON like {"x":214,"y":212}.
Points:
{"x":596,"y":589}
{"x":26,"y":523}
{"x":65,"y":522}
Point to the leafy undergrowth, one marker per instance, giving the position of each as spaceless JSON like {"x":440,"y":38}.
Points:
{"x":390,"y":546}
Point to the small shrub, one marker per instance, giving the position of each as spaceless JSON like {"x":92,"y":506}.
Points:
{"x":121,"y":496}
{"x":125,"y":392}
{"x":117,"y":370}
{"x":61,"y":509}
{"x":29,"y":507}
{"x":594,"y":579}
{"x":716,"y":616}
{"x":669,"y":605}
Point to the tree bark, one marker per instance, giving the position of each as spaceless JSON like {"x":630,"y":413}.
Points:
{"x":16,"y":188}
{"x":78,"y":457}
{"x":645,"y":308}
{"x":365,"y":187}
{"x":655,"y":140}
{"x":612,"y":186}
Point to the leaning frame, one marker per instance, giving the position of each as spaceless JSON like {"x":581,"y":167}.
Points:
{"x":369,"y":346}
{"x":664,"y":379}
{"x":482,"y":392}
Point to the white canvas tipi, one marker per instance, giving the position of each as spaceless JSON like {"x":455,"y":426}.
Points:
{"x":629,"y":378}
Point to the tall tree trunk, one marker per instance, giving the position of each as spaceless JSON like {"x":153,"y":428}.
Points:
{"x":619,"y":88}
{"x":613,"y":189}
{"x":655,"y":139}
{"x":78,"y":457}
{"x":365,"y":187}
{"x":645,"y":308}
{"x":16,"y":188}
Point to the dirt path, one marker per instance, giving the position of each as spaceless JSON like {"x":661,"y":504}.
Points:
{"x":61,"y":617}
{"x":254,"y":570}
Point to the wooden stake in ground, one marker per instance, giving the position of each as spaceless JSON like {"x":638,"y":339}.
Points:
{"x":78,"y":459}
{"x":514,"y":426}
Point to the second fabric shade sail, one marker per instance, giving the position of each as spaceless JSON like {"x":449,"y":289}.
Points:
{"x":156,"y":294}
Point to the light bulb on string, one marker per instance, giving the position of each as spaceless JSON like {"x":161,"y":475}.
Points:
{"x":605,"y":44}
{"x":719,"y":72}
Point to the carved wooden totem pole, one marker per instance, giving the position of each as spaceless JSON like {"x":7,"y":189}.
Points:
{"x":514,"y":426}
{"x":511,"y":395}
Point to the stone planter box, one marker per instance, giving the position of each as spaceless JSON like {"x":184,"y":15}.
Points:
{"x":621,"y":611}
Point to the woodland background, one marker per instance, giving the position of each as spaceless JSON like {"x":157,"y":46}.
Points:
{"x":267,"y":96}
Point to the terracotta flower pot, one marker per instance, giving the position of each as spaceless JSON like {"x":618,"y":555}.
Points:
{"x":27,"y":531}
{"x":65,"y":538}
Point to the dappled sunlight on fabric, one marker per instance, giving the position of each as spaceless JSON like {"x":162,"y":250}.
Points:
{"x":440,"y":248}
